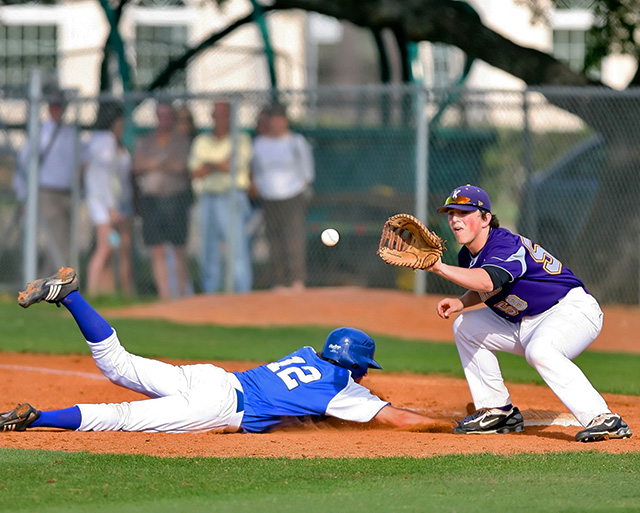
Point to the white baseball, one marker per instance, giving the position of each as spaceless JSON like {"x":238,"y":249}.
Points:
{"x":330,"y":237}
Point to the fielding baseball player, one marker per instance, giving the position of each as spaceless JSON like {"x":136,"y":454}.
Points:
{"x":537,"y":308}
{"x":205,"y":397}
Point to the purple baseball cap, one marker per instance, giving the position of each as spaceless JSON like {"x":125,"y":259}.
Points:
{"x":466,"y":197}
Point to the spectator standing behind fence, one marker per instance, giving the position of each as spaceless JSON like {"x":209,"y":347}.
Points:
{"x":160,"y":170}
{"x":185,"y":123}
{"x":59,"y":150}
{"x":283,"y":172}
{"x":262,"y":123}
{"x":109,"y":196}
{"x":212,"y":174}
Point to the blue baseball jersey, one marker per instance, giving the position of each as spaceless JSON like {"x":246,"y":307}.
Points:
{"x":537,"y":280}
{"x":301,"y":385}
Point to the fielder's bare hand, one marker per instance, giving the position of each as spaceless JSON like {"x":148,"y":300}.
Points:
{"x":448,"y":306}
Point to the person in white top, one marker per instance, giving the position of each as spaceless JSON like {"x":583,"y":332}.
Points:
{"x":60,"y":150}
{"x":283,"y":171}
{"x":109,"y":197}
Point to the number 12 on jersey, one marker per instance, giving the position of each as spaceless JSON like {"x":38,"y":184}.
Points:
{"x":293,"y":376}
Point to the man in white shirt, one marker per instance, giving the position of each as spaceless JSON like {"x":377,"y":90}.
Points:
{"x":57,"y":171}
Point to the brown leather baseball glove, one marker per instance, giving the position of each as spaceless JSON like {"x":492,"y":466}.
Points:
{"x":406,"y":242}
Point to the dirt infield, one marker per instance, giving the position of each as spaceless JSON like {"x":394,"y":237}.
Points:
{"x":60,"y":381}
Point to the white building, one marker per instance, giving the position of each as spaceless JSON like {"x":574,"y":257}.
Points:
{"x":69,"y":36}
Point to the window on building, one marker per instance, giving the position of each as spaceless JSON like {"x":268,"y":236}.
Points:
{"x":23,"y":47}
{"x":155,"y":46}
{"x":570,"y":47}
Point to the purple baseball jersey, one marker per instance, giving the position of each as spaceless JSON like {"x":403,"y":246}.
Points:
{"x":537,"y":279}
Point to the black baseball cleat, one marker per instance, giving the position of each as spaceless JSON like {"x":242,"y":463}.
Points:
{"x":491,"y":420}
{"x":604,"y":427}
{"x":52,"y":290}
{"x":18,"y":419}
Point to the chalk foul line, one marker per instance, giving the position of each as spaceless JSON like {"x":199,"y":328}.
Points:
{"x":44,"y":370}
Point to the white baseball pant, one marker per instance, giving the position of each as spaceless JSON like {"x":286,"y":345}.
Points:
{"x":199,"y":397}
{"x":549,"y":341}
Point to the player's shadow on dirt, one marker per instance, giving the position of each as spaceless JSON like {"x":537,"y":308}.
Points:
{"x":545,"y":432}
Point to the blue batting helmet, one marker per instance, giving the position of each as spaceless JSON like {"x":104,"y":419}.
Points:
{"x":352,"y":349}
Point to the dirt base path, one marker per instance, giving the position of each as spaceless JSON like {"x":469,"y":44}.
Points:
{"x":51,"y":382}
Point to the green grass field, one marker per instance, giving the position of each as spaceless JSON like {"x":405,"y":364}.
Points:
{"x":582,"y":482}
{"x":51,"y":481}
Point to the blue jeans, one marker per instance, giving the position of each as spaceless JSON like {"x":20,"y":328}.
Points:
{"x":215,"y":229}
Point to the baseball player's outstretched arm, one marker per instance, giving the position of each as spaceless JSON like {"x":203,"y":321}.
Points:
{"x":406,"y":419}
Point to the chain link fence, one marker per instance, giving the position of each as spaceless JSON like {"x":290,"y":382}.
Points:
{"x":560,"y":165}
